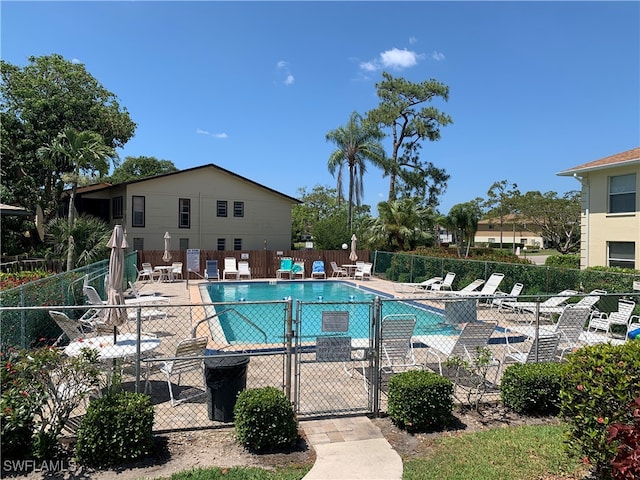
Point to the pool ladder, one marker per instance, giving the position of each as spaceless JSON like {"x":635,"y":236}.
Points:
{"x":243,"y":317}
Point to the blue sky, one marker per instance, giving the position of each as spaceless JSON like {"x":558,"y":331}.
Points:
{"x":254,"y":87}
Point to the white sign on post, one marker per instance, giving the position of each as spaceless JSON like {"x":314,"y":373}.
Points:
{"x":193,"y":260}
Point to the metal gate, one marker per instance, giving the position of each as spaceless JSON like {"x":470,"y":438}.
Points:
{"x":335,"y":362}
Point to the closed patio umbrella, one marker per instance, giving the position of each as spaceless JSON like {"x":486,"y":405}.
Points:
{"x":353,"y":256}
{"x":166,"y":257}
{"x":117,"y":243}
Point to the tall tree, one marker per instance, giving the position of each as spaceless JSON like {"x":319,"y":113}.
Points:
{"x":556,"y":218}
{"x":134,"y":168}
{"x":464,"y":217}
{"x":501,"y":202}
{"x":357,"y":142}
{"x":411,"y":123}
{"x":86,"y":153}
{"x":37,"y":102}
{"x":321,"y":202}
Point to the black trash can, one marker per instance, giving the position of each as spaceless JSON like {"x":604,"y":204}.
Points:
{"x":226,"y":377}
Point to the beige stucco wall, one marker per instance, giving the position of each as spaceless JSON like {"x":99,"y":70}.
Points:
{"x":267,"y":215}
{"x":600,"y":227}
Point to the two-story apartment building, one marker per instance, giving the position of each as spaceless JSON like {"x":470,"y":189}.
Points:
{"x":205,"y":207}
{"x":512,"y":231}
{"x":610,"y":223}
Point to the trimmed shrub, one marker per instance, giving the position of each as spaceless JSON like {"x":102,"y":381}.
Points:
{"x":532,"y":388}
{"x":117,"y":428}
{"x":420,"y":400}
{"x":599,"y":384}
{"x":563,"y":261}
{"x":264,"y":420}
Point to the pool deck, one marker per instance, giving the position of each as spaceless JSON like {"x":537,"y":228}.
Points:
{"x":347,"y":446}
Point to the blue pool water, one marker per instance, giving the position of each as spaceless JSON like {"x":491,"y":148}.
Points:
{"x":268,"y":319}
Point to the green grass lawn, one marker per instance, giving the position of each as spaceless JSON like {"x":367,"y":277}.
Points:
{"x":515,"y":453}
{"x":512,"y":453}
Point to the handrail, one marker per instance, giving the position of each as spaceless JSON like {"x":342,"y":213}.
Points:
{"x":231,"y":309}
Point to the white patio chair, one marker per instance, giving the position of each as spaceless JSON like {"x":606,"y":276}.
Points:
{"x":187,"y":358}
{"x":364,"y":273}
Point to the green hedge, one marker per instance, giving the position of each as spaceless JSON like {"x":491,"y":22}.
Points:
{"x":600,"y":383}
{"x":532,"y":388}
{"x":537,"y":279}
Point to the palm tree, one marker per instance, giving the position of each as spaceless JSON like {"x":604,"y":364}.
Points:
{"x":401,"y":224}
{"x":84,"y":152}
{"x":464,"y":218}
{"x":357,"y":142}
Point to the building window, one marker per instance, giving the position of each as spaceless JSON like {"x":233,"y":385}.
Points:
{"x":117,"y":204}
{"x":622,"y":254}
{"x":222,"y":208}
{"x":138,"y":211}
{"x":238,"y":209}
{"x":237,"y":244}
{"x":222,"y":244}
{"x":184,"y":213}
{"x":491,"y":226}
{"x":492,"y":240}
{"x":622,"y":193}
{"x":523,"y":241}
{"x":138,"y":244}
{"x":184,"y":244}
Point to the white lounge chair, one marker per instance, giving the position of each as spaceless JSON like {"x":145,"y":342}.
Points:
{"x":468,"y":290}
{"x":621,"y":317}
{"x":542,"y":349}
{"x":500,"y":297}
{"x":72,"y":329}
{"x":416,"y":287}
{"x":230,"y":268}
{"x":244,"y":270}
{"x":550,"y":303}
{"x":396,"y":342}
{"x":446,"y":284}
{"x":489,"y":287}
{"x":473,"y":336}
{"x":94,"y":298}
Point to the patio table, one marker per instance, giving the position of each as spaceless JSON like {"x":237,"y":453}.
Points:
{"x":125,"y":346}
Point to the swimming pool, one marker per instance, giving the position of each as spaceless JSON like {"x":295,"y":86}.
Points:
{"x":316,"y":298}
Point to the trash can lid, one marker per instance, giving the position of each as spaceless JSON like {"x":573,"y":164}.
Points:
{"x":225,"y":361}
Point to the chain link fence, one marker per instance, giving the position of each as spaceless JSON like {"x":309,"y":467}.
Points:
{"x":329,"y":357}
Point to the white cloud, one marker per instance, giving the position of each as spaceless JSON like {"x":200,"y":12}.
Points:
{"x":369,"y":66}
{"x":398,"y":59}
{"x":283,"y":66}
{"x":75,"y":60}
{"x":395,"y":59}
{"x":412,"y":40}
{"x":438,"y":56}
{"x":199,"y":131}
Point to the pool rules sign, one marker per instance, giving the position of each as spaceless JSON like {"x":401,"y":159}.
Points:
{"x":334,"y":348}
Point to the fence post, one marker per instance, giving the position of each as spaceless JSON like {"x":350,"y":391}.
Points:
{"x":289,"y":350}
{"x":375,"y":377}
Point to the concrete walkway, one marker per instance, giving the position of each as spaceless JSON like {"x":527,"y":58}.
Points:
{"x":350,"y":448}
